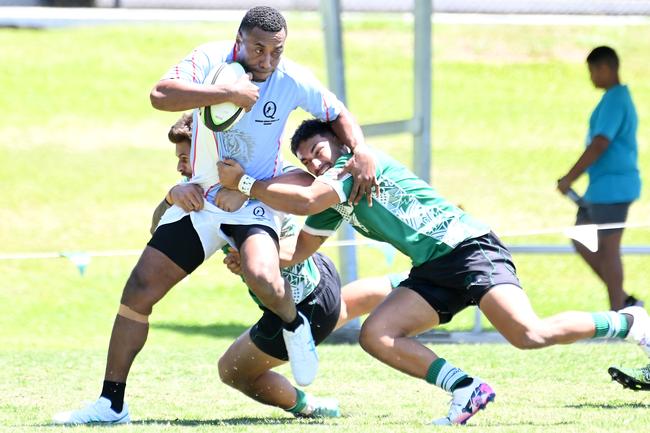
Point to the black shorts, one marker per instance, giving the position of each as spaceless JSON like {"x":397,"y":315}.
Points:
{"x":181,"y":243}
{"x":240,"y":233}
{"x":321,"y":307}
{"x":593,"y":213}
{"x":459,"y":279}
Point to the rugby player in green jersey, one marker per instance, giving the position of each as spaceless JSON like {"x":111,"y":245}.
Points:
{"x":457,"y":262}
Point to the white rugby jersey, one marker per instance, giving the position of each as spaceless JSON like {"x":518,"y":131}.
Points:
{"x":255,"y":140}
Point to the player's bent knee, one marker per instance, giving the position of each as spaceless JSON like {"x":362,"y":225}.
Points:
{"x":374,"y":339}
{"x":231,"y":376}
{"x":140,"y":293}
{"x":227,"y":372}
{"x":269,"y":288}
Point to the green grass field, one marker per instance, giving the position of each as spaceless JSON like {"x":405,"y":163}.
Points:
{"x":84,"y":160}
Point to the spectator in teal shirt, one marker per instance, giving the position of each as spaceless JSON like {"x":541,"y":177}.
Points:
{"x":610,"y":160}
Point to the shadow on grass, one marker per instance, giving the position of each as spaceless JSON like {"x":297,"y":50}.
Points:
{"x":202,"y":422}
{"x":538,"y":423}
{"x":621,"y":405}
{"x":228,"y":421}
{"x":231,"y":330}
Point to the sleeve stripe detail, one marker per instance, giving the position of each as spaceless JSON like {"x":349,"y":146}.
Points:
{"x":327,"y":112}
{"x":277,"y":158}
{"x":195,"y":136}
{"x":318,"y":232}
{"x":194,"y":67}
{"x":209,"y":190}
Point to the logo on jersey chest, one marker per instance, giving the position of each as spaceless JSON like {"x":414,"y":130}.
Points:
{"x":268,"y":111}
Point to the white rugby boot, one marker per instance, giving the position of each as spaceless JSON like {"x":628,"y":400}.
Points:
{"x":99,"y":412}
{"x":302,"y":352}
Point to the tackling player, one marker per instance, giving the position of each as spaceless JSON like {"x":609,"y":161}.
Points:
{"x":457,"y":262}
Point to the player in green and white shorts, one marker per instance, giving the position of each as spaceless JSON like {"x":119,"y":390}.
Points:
{"x":316,"y":288}
{"x":457,"y":262}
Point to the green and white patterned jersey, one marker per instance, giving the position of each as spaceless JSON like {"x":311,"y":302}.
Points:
{"x":304,"y":276}
{"x":408,"y":213}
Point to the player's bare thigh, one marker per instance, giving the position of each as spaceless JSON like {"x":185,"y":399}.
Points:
{"x":153,"y":276}
{"x":403,"y":313}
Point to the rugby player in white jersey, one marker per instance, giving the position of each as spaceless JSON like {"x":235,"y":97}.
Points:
{"x":316,"y":288}
{"x":457,"y":262}
{"x":183,"y":240}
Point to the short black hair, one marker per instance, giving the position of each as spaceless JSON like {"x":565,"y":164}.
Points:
{"x":307,"y":130}
{"x":264,"y":17}
{"x":181,"y":130}
{"x":603,"y":55}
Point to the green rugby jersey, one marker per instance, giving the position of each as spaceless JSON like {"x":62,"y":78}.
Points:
{"x":408,"y":213}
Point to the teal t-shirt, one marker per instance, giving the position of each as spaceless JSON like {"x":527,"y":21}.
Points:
{"x":408,"y":213}
{"x":614,"y":177}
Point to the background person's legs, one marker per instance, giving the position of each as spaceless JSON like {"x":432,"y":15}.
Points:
{"x":606,"y":262}
{"x":611,"y":267}
{"x":608,"y":265}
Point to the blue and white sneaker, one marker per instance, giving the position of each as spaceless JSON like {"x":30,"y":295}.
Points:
{"x":466,"y":402}
{"x":640,"y":331}
{"x":301,"y":349}
{"x":99,"y":412}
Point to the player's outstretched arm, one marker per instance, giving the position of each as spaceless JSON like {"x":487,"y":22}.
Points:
{"x":282,"y":196}
{"x":299,"y":248}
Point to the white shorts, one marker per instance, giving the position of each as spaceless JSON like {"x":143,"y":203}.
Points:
{"x":207,"y":222}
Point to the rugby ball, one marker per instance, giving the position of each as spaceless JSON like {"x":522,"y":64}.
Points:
{"x":221,"y":117}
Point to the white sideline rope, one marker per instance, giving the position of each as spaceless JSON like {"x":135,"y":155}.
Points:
{"x":65,"y":254}
{"x":329,"y":244}
{"x":563,"y":230}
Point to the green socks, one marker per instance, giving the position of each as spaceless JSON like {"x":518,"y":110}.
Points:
{"x":301,"y":402}
{"x":611,"y":325}
{"x":446,"y":376}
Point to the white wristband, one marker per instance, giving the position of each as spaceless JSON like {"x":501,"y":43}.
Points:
{"x":245,"y":184}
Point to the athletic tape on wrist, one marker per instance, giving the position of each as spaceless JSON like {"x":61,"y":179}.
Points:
{"x":128,"y":313}
{"x":246,"y":184}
